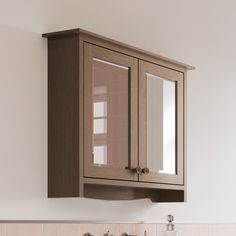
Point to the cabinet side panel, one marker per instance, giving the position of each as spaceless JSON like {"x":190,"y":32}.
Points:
{"x":63,"y":116}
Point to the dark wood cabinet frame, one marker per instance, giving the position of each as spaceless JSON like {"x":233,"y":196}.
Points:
{"x":66,"y":124}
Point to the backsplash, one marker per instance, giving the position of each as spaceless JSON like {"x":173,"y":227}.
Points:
{"x":78,"y":229}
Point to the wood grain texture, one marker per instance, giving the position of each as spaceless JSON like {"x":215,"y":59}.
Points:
{"x":81,"y":118}
{"x":122,"y":47}
{"x":63,"y":33}
{"x":129,"y":193}
{"x":68,"y":144}
{"x":134,"y":184}
{"x":177,"y":77}
{"x":185,"y":136}
{"x":63,"y":116}
{"x":90,"y":170}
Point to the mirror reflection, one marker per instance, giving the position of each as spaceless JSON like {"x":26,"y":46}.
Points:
{"x":110,"y":114}
{"x":161,"y":125}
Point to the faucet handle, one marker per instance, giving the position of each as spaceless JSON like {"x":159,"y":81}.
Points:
{"x":108,"y":233}
{"x":127,"y":234}
{"x":170,"y":218}
{"x":88,"y":234}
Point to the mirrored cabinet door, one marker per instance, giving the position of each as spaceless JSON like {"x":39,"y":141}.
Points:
{"x":110,"y":114}
{"x":160,"y":124}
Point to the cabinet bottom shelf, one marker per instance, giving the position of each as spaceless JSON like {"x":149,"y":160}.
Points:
{"x":107,"y":192}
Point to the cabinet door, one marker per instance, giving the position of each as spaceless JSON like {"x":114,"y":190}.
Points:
{"x":110,"y":114}
{"x":160,"y":124}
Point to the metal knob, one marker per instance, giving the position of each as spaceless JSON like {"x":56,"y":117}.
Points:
{"x":88,"y":234}
{"x":108,"y":233}
{"x":138,"y":170}
{"x":127,"y":234}
{"x":145,"y":170}
{"x":170,"y":218}
{"x":170,"y":226}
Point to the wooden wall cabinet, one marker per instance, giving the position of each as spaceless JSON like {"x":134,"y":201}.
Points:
{"x":115,"y":120}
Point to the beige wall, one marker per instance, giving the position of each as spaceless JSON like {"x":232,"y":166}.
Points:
{"x":200,"y":33}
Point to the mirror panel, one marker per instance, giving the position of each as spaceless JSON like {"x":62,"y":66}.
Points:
{"x":110,"y":114}
{"x":161,"y":124}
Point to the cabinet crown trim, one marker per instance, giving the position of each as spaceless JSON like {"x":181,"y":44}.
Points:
{"x":79,"y":31}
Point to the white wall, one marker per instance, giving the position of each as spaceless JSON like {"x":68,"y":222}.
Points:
{"x":201,"y":33}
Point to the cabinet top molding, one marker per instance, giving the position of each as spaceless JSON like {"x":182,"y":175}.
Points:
{"x":78,"y":31}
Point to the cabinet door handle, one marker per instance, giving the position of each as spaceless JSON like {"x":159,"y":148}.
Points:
{"x":138,"y":170}
{"x":145,"y":170}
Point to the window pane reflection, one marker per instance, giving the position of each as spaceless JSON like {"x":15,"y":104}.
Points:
{"x":100,"y":155}
{"x":110,"y":114}
{"x":99,"y":109}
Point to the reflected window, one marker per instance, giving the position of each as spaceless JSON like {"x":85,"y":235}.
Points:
{"x":100,"y":155}
{"x":99,"y":117}
{"x":110,"y":114}
{"x":100,"y":125}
